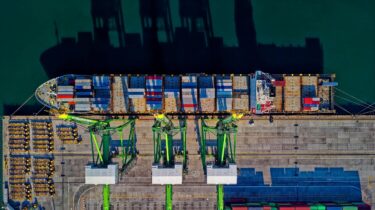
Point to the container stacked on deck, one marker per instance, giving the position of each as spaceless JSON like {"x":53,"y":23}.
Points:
{"x":83,"y":94}
{"x":137,"y":94}
{"x":292,"y":94}
{"x":224,"y":93}
{"x":189,"y":93}
{"x":261,"y":93}
{"x":154,"y":93}
{"x":65,"y":91}
{"x":206,"y":94}
{"x":120,"y":94}
{"x":102,"y":94}
{"x":278,"y":101}
{"x":324,"y":93}
{"x":240,"y":93}
{"x":310,"y":101}
{"x":172,"y":93}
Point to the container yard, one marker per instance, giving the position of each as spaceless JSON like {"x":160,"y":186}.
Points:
{"x":295,"y":162}
{"x":258,"y":93}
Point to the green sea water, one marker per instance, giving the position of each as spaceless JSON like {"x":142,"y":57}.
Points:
{"x":346,"y":29}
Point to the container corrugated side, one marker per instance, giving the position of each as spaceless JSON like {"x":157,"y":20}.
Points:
{"x":292,"y":94}
{"x":278,"y":101}
{"x":137,"y":105}
{"x":137,"y":82}
{"x":324,"y":94}
{"x":240,"y":82}
{"x":120,"y":94}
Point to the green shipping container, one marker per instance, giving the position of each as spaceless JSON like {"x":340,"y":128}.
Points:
{"x":350,"y":208}
{"x":318,"y":207}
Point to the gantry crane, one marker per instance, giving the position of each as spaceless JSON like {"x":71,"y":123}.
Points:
{"x":224,"y":169}
{"x":166,"y":170}
{"x":102,"y":162}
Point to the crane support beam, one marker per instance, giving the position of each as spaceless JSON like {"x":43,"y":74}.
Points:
{"x":106,"y":197}
{"x":168,"y":197}
{"x":94,"y":174}
{"x":167,"y":171}
{"x":224,"y":169}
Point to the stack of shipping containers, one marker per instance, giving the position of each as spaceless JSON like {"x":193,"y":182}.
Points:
{"x":278,"y":101}
{"x":137,"y":93}
{"x":292,"y":94}
{"x":324,"y":90}
{"x":83,"y":94}
{"x":206,"y":94}
{"x":189,"y":93}
{"x":309,"y":92}
{"x":102,"y":94}
{"x":65,"y":91}
{"x":154,"y":93}
{"x":240,"y":93}
{"x":261,"y":93}
{"x":172,"y":94}
{"x":224,"y":93}
{"x":120,"y":94}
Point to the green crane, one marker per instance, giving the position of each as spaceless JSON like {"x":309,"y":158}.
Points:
{"x":225,"y":131}
{"x":103,"y":158}
{"x":163,"y":127}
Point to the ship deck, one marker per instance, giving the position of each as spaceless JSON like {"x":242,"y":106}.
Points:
{"x":306,"y":142}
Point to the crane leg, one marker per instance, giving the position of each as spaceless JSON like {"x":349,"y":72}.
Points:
{"x":220,"y":197}
{"x":168,"y":197}
{"x":106,"y":197}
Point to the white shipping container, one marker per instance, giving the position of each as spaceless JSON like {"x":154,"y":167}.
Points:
{"x":171,"y":94}
{"x":136,"y":90}
{"x":64,"y":88}
{"x":189,"y":90}
{"x":189,"y":101}
{"x":82,"y":99}
{"x":65,"y":99}
{"x":82,"y":80}
{"x":187,"y":79}
{"x":65,"y":92}
{"x":85,"y":87}
{"x":136,"y":96}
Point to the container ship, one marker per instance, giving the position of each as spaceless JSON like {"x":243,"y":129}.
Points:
{"x":256,"y":93}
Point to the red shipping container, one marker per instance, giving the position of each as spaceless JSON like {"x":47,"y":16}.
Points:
{"x":154,"y":99}
{"x":302,"y":208}
{"x":267,"y":208}
{"x":307,"y":100}
{"x":311,"y":100}
{"x":65,"y":96}
{"x":153,"y":77}
{"x":286,"y":208}
{"x":189,"y":105}
{"x":306,"y":108}
{"x":239,"y":208}
{"x":279,"y":83}
{"x":71,"y":102}
{"x":154,"y":93}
